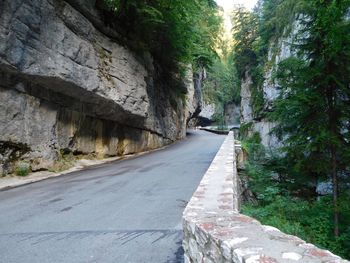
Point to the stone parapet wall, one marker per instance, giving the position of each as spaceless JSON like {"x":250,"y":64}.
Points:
{"x":215,"y":231}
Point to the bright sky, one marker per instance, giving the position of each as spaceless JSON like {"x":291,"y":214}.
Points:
{"x":229,"y":4}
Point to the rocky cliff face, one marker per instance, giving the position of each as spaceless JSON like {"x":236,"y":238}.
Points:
{"x":249,"y":123}
{"x":194,"y":98}
{"x":232,"y":114}
{"x":66,"y":85}
{"x":270,"y":89}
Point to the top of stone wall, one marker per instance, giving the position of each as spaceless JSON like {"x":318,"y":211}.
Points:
{"x":215,"y":231}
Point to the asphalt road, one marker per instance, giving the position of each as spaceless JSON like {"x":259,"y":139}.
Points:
{"x":126,"y":211}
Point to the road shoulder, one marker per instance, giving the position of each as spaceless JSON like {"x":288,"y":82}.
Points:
{"x":12,"y":181}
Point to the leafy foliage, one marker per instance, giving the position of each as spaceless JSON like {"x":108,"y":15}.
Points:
{"x":312,"y":111}
{"x":312,"y":114}
{"x":314,"y":100}
{"x":256,"y":34}
{"x":22,"y":169}
{"x":221,"y":86}
{"x":175,"y":32}
{"x":310,"y":220}
{"x":247,"y":53}
{"x":245,"y":34}
{"x":276,"y":19}
{"x":285,"y":204}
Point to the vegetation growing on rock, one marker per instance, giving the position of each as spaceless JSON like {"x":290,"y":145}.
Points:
{"x":178,"y":33}
{"x":175,"y":32}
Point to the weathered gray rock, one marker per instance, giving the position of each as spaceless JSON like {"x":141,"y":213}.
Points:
{"x":246,"y":100}
{"x":196,"y":106}
{"x":66,"y":85}
{"x":261,"y":126}
{"x":53,"y":45}
{"x":37,"y":131}
{"x":198,"y":79}
{"x":278,"y":51}
{"x":208,"y":111}
{"x":232,"y":114}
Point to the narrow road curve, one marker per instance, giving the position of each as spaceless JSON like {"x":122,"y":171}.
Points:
{"x":126,"y":211}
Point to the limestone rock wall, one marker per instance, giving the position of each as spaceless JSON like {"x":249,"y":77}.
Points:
{"x":206,"y":116}
{"x":252,"y":124}
{"x":270,"y":88}
{"x":66,"y":85}
{"x":232,"y":114}
{"x":194,"y":99}
{"x":246,"y":100}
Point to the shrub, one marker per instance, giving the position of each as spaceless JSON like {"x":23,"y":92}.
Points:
{"x":311,"y":220}
{"x":22,"y":169}
{"x":284,"y":202}
{"x":64,"y":162}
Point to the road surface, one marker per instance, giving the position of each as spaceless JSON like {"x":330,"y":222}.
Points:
{"x":126,"y":211}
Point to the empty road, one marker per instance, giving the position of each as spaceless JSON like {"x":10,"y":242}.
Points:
{"x":125,"y":211}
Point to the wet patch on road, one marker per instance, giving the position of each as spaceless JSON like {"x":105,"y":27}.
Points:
{"x":55,"y":200}
{"x":151,"y":167}
{"x":66,"y":209}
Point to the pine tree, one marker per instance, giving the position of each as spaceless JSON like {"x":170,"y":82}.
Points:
{"x":313,"y":110}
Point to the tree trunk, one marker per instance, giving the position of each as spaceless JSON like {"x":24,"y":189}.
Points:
{"x":333,"y":117}
{"x":335,"y":192}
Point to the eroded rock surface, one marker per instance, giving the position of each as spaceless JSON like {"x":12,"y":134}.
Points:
{"x":66,"y":85}
{"x":257,"y":122}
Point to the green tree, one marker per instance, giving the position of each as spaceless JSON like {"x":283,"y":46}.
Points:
{"x":221,"y":84}
{"x":313,"y":110}
{"x":245,"y":35}
{"x":248,"y":58}
{"x":175,"y":32}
